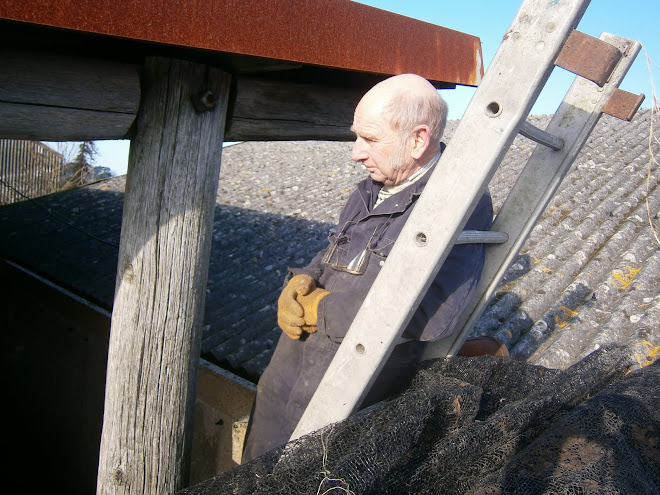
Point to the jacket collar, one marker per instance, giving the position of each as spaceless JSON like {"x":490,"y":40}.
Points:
{"x":397,"y":203}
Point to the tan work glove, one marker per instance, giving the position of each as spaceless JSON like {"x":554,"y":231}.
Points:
{"x":310,"y":305}
{"x":290,"y":310}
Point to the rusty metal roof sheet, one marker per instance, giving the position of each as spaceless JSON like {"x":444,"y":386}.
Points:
{"x":330,"y":33}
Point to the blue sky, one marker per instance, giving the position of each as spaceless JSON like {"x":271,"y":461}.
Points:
{"x":489,"y":20}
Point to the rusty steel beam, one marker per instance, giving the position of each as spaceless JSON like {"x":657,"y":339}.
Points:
{"x":329,"y":33}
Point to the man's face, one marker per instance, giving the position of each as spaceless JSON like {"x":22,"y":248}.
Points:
{"x":383,"y":151}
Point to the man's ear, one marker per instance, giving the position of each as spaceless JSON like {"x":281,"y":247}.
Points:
{"x":421,"y":138}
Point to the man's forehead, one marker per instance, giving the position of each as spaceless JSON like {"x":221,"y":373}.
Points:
{"x":368,"y":127}
{"x":368,"y":116}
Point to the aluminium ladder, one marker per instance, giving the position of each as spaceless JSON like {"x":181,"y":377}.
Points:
{"x":542,"y":35}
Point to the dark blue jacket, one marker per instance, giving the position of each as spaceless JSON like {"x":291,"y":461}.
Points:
{"x":361,"y":226}
{"x":297,"y":366}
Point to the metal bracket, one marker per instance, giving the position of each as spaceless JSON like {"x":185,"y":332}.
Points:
{"x":589,"y":57}
{"x":623,"y":105}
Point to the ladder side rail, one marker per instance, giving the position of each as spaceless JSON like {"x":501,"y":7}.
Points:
{"x":514,"y":80}
{"x":536,"y":185}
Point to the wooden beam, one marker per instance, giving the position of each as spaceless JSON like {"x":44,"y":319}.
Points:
{"x":44,"y":123}
{"x":173,"y":172}
{"x":63,"y":98}
{"x":49,"y":97}
{"x":265,"y":109}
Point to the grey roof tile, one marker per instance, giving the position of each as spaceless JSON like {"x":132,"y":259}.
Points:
{"x":588,"y":274}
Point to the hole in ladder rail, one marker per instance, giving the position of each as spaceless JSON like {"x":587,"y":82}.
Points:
{"x":421,"y":239}
{"x":360,"y":349}
{"x":493,"y":109}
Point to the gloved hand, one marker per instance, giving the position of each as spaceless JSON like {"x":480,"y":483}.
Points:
{"x":297,"y":306}
{"x":310,"y":304}
{"x":289,"y":311}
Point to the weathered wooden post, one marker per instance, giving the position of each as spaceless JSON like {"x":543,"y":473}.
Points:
{"x":174,"y":166}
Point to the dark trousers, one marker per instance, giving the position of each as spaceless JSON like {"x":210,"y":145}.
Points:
{"x":291,"y":378}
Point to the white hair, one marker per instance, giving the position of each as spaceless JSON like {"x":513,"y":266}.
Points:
{"x":406,"y":110}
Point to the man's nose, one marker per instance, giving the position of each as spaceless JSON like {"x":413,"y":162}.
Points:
{"x":359,"y":153}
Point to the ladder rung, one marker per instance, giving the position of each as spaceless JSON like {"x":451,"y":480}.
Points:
{"x":482,"y":237}
{"x":589,"y":57}
{"x":540,"y":136}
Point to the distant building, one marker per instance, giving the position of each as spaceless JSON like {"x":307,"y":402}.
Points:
{"x":28,"y":169}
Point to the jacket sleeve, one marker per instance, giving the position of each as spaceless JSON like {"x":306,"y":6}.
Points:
{"x":449,"y":294}
{"x":337,"y":310}
{"x":314,"y":269}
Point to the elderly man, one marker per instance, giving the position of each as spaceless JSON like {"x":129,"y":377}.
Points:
{"x":398,"y":125}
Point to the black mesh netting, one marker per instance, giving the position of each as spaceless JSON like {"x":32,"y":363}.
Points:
{"x":481,"y":426}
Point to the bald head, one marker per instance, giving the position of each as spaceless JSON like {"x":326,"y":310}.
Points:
{"x":398,"y":125}
{"x":406,"y":101}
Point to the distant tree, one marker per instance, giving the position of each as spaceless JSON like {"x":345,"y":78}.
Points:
{"x":99,"y":173}
{"x":80,"y":170}
{"x":68,"y":149}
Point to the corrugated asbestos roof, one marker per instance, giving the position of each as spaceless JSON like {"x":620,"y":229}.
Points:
{"x":588,"y":274}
